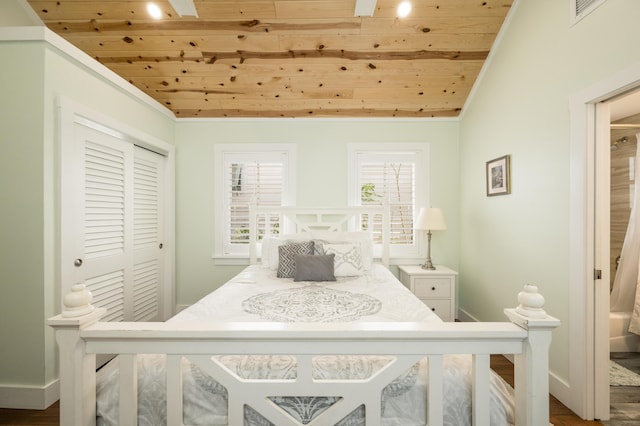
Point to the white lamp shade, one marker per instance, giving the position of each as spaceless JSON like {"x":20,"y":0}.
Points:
{"x":430,"y":219}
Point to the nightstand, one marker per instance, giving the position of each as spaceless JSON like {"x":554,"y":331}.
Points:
{"x":436,"y":288}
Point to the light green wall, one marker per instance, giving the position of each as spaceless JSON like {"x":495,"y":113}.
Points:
{"x":29,"y":168}
{"x":521,"y":108}
{"x":17,"y":13}
{"x":21,"y":216}
{"x":322,"y":175}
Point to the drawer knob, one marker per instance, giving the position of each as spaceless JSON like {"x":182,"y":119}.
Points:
{"x":433,"y":288}
{"x":433,"y":309}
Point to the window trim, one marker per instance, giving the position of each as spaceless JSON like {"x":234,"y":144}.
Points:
{"x":420,"y":151}
{"x":221,"y":151}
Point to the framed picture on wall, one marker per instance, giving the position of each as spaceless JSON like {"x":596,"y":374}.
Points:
{"x":498,"y":176}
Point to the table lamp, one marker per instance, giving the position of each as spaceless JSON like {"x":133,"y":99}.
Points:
{"x":430,"y":219}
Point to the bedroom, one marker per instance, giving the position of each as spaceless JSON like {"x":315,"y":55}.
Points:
{"x":540,"y":64}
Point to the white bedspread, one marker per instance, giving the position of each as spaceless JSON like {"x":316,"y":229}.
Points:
{"x":257,"y":294}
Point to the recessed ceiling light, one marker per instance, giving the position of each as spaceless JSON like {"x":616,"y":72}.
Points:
{"x":154,"y":10}
{"x":404,"y":9}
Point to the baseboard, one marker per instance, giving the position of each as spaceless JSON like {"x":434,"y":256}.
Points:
{"x":29,"y":397}
{"x":560,"y":389}
{"x":464,"y":316}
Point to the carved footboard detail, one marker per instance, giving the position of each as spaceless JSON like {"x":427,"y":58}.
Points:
{"x":81,"y":337}
{"x":265,"y":396}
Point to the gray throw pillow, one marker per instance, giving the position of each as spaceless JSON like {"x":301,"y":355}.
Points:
{"x":314,"y":268}
{"x":287,"y":253}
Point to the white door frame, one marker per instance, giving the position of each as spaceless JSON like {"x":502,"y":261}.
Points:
{"x":71,"y":112}
{"x":589,"y":309}
{"x":602,"y":253}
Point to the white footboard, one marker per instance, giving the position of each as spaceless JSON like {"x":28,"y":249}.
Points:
{"x":81,"y":336}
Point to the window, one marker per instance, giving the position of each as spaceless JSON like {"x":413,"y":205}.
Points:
{"x":396,"y":174}
{"x":246,"y":174}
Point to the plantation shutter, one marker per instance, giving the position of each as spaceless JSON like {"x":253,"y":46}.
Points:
{"x":391,"y":178}
{"x":250,"y":180}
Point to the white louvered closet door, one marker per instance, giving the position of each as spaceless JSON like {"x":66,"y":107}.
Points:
{"x":112,"y":222}
{"x":148,"y":202}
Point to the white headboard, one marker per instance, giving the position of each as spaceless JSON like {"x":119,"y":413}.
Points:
{"x":305,"y":219}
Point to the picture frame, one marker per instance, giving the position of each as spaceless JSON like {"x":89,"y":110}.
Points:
{"x":499,"y":176}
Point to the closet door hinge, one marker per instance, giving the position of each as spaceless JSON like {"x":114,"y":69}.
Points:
{"x":597,"y":274}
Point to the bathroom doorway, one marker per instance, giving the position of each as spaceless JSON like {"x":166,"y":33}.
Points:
{"x":624,"y":346}
{"x":588,"y":391}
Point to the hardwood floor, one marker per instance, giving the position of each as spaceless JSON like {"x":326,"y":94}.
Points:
{"x":50,"y":416}
{"x":625,"y":400}
{"x":559,"y":414}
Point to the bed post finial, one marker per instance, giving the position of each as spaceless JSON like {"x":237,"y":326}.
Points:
{"x":77,"y":367}
{"x":532,"y":365}
{"x":77,"y":302}
{"x":531,"y":302}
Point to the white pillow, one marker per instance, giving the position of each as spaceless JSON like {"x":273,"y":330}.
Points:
{"x":348,"y":259}
{"x":340,"y":237}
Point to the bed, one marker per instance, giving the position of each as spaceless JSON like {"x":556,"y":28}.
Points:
{"x":318,"y":332}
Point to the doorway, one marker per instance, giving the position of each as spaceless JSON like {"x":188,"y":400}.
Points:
{"x":587,"y":392}
{"x":616,"y":155}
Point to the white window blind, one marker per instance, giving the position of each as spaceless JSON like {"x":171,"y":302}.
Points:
{"x":250,"y":174}
{"x":393,"y":181}
{"x":251,"y":182}
{"x":393,"y":173}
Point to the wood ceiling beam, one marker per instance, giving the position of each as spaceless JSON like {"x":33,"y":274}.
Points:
{"x":352,"y":55}
{"x":317,"y":112}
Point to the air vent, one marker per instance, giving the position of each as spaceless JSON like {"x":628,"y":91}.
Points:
{"x":581,"y":8}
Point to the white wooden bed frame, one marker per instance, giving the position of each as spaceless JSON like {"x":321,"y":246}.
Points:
{"x":81,"y":336}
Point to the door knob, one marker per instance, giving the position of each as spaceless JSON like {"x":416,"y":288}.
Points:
{"x":77,"y":262}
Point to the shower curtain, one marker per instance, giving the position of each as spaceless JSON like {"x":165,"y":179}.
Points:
{"x":624,"y":297}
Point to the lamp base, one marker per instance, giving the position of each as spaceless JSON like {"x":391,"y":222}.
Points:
{"x":428,"y":265}
{"x":427,"y":262}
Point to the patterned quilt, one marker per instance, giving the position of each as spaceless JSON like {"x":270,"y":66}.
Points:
{"x":257,"y":294}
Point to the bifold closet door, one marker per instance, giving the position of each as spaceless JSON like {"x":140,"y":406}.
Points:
{"x":111,"y":222}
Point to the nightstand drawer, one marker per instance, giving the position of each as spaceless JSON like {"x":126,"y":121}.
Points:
{"x":424,"y":287}
{"x":441,"y":307}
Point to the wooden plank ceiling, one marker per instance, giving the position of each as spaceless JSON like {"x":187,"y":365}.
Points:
{"x":289,"y":58}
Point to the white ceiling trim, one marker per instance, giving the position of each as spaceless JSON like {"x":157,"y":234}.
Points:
{"x":184,"y":7}
{"x":365,"y":7}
